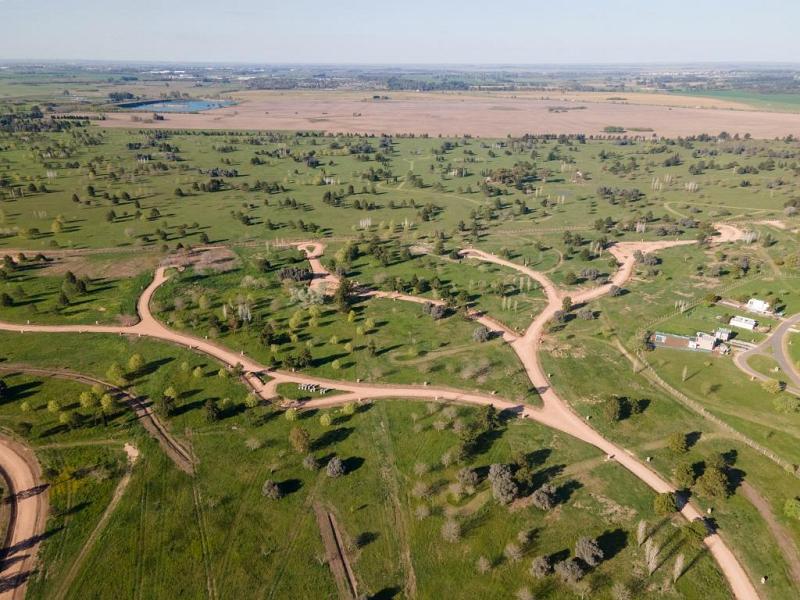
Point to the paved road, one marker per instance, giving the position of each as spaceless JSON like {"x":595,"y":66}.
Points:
{"x":776,"y":346}
{"x":555,"y":412}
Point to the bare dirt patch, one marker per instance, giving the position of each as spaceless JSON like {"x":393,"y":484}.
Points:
{"x":480,"y":114}
{"x":218,"y":259}
{"x":335,"y":553}
{"x":114,"y":268}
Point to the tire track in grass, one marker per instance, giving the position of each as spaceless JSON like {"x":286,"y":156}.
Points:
{"x":289,"y":548}
{"x":227,"y":545}
{"x":204,"y":544}
{"x":138,"y":580}
{"x":99,"y":528}
{"x":390,"y":474}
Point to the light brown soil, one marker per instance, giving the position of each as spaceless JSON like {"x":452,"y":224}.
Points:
{"x":486,"y":115}
{"x":335,"y":553}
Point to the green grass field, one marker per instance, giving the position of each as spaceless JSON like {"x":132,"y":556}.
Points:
{"x":108,"y":205}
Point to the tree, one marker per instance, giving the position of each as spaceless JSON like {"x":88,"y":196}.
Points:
{"x":135,"y":363}
{"x":325,"y":419}
{"x":665,"y":504}
{"x":87,"y":400}
{"x":541,"y":567}
{"x":612,"y":409}
{"x":310,"y":462}
{"x":504,"y":488}
{"x":570,"y":570}
{"x":483,"y":565}
{"x":451,"y":531}
{"x":683,"y":475}
{"x":712,"y":482}
{"x":300,"y":440}
{"x":544,"y":498}
{"x":512,"y":552}
{"x":566,"y":304}
{"x":468,"y":478}
{"x":335,"y":467}
{"x":115,"y":374}
{"x":481,"y":334}
{"x":70,"y":418}
{"x":271,"y":490}
{"x":792,"y":508}
{"x":773,"y":386}
{"x":213,"y":412}
{"x":107,"y":403}
{"x":676,"y":442}
{"x":589,"y":551}
{"x":343,"y":295}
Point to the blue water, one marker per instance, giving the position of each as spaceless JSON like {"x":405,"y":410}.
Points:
{"x":175,"y":106}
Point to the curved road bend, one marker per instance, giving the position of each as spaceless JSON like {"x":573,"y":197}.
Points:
{"x":775,"y":345}
{"x":28,"y":500}
{"x":555,"y":412}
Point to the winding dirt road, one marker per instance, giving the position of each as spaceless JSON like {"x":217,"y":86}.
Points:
{"x":554,"y":413}
{"x":28,"y":498}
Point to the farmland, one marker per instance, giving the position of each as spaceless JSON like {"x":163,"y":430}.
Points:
{"x":436,"y":343}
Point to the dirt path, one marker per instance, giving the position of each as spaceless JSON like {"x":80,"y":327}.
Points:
{"x":133,"y":455}
{"x":148,"y":419}
{"x":778,"y":531}
{"x":554,"y":413}
{"x":335,"y":553}
{"x":28,"y":498}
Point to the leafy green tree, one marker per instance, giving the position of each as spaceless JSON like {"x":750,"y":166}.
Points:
{"x":792,"y":508}
{"x":664,"y":504}
{"x":683,"y":475}
{"x":677,"y":443}
{"x":135,"y":363}
{"x":213,"y":412}
{"x":300,"y":440}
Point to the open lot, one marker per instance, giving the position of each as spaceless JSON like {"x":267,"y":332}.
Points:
{"x":451,"y":114}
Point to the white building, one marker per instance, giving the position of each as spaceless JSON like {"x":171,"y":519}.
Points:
{"x":758,"y":306}
{"x":705,"y":341}
{"x":743,"y":323}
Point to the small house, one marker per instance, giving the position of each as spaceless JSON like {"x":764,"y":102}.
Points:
{"x":723,"y":334}
{"x":743,"y":323}
{"x":758,"y":306}
{"x":705,"y":341}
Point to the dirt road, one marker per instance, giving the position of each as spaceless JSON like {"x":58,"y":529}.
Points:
{"x":28,"y":497}
{"x":555,"y":412}
{"x":144,"y":412}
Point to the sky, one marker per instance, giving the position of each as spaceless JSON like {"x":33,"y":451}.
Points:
{"x":402,"y":32}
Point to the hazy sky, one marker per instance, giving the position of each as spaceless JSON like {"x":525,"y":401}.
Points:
{"x":407,"y":31}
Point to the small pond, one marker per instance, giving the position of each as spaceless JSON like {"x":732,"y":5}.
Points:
{"x":175,"y":106}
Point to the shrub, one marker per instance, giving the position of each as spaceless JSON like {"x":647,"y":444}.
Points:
{"x":541,"y":567}
{"x":589,"y":551}
{"x":570,"y":570}
{"x":271,"y":490}
{"x":451,"y":531}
